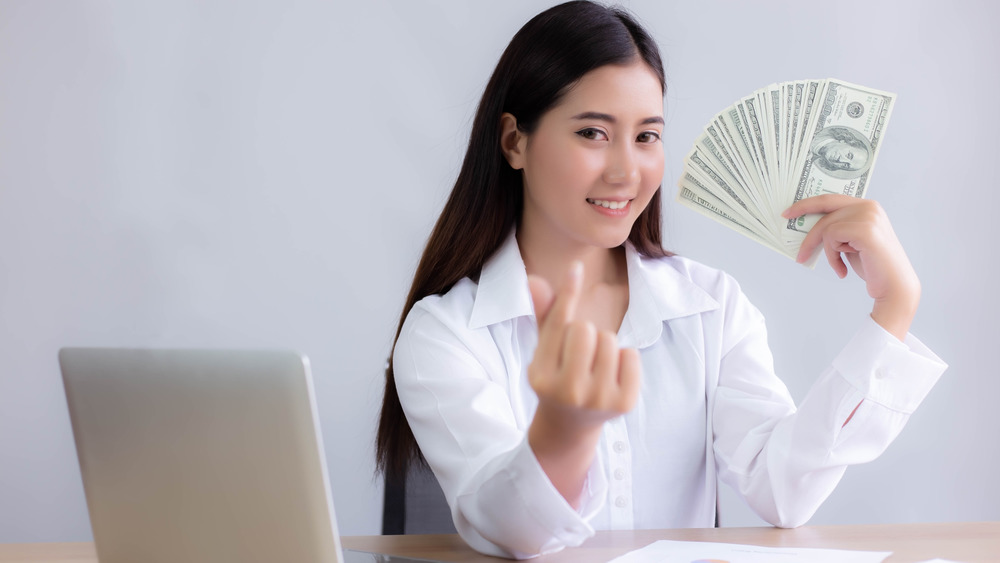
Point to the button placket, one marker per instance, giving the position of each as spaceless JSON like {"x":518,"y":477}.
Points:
{"x":620,"y":484}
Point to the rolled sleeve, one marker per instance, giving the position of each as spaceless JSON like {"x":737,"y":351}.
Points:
{"x":526,"y":514}
{"x":453,"y":394}
{"x":897,"y":375}
{"x":786,"y":464}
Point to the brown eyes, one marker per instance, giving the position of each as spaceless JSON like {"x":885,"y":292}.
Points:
{"x":593,"y":134}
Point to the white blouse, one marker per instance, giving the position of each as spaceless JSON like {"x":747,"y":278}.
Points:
{"x":710,"y":404}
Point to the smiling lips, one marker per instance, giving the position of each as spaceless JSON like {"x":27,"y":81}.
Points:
{"x":609,"y":207}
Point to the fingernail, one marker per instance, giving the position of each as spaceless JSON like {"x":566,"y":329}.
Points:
{"x":576,"y":270}
{"x":785,"y":214}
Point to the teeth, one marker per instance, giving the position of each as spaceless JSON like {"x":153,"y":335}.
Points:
{"x":608,"y":204}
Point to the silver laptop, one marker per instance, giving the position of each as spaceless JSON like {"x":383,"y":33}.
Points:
{"x":202,"y":456}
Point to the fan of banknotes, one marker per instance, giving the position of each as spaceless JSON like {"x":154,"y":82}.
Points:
{"x":778,"y":145}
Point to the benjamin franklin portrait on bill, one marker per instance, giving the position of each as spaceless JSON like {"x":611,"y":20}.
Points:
{"x":842,"y":152}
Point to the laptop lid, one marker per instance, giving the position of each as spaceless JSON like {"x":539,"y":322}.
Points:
{"x":200,"y":455}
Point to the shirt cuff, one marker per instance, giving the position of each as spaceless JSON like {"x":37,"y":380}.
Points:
{"x":894,"y":374}
{"x":568,"y":526}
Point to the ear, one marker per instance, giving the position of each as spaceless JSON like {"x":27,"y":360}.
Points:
{"x":512,"y":141}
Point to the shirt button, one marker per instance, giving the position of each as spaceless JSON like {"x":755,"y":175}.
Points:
{"x":619,"y":474}
{"x":621,"y":502}
{"x":619,"y":446}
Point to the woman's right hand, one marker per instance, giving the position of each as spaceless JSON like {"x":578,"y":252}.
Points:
{"x":582,"y":378}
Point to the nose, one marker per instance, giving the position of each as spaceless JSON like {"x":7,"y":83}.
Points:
{"x":622,"y":166}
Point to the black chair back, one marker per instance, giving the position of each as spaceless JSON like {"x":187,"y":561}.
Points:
{"x":416,"y":506}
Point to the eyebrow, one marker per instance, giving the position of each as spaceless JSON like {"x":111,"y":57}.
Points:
{"x":611,"y":119}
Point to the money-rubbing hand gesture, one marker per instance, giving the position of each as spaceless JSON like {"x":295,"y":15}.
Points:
{"x":582,"y":378}
{"x":859,"y":230}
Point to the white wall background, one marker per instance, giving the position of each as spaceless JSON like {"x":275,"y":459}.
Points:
{"x":264,"y":174}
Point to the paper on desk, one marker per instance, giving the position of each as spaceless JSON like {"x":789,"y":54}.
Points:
{"x":667,"y":551}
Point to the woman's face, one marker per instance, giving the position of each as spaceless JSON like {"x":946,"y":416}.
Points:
{"x":594,"y":160}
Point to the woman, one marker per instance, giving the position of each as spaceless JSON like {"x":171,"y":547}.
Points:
{"x":560,"y":372}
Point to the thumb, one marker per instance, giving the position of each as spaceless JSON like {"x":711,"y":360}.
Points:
{"x":542,"y":297}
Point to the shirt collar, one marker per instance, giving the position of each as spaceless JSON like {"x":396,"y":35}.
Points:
{"x":657,"y":293}
{"x":503,"y":287}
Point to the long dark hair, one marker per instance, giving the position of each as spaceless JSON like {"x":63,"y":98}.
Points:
{"x":543,"y":60}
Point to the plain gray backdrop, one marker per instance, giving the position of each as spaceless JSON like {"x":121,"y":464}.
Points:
{"x":264,"y":174}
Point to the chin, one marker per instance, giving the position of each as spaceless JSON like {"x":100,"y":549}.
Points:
{"x":610,"y":240}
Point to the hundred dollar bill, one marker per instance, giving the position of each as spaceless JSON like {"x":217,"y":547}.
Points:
{"x":780,"y":144}
{"x":841,"y":150}
{"x":717,"y":210}
{"x":774,"y":110}
{"x":752,"y":114}
{"x":812,"y":90}
{"x":699,"y":167}
{"x":795,"y":90}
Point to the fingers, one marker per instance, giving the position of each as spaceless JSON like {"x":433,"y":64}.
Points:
{"x":825,"y":203}
{"x":606,"y":364}
{"x":814,"y":238}
{"x":552,"y":324}
{"x":606,"y":356}
{"x":836,"y":262}
{"x":859,"y":230}
{"x":843,"y":230}
{"x":578,"y":350}
{"x":541,"y":296}
{"x":577,"y":367}
{"x":835,"y":236}
{"x":596,"y":374}
{"x":857,"y":264}
{"x":564,"y":307}
{"x":847,"y":225}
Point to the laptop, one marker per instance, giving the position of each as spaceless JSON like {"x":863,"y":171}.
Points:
{"x":202,"y":456}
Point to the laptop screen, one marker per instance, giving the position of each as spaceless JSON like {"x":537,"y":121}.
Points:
{"x":200,"y":455}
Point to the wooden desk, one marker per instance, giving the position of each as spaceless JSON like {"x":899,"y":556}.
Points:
{"x":967,"y":542}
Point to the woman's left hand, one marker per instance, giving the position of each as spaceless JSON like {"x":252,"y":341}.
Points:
{"x":859,"y":230}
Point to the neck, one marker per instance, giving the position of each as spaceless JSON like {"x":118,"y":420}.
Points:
{"x":550,"y":258}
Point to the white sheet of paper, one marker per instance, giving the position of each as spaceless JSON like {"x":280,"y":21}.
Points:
{"x":667,"y":551}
